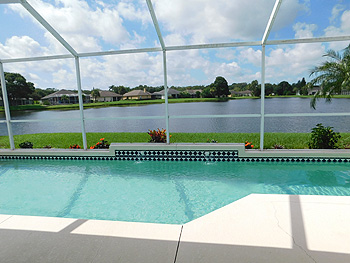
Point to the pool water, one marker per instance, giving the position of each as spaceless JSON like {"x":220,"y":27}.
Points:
{"x":158,"y":192}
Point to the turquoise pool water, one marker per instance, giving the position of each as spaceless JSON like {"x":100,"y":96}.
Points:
{"x":159,"y":192}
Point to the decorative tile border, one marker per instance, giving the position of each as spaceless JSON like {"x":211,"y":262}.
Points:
{"x":176,"y":155}
{"x":293,"y":159}
{"x":182,"y":155}
{"x":35,"y":157}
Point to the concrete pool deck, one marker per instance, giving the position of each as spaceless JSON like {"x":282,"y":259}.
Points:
{"x":257,"y":228}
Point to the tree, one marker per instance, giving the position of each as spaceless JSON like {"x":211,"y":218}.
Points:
{"x":333,"y":75}
{"x":255,"y":88}
{"x":283,"y":88}
{"x":300,"y":87}
{"x":184,"y":94}
{"x":95,"y":93}
{"x":269,"y":88}
{"x":64,"y":99}
{"x":207,"y":92}
{"x":17,"y":87}
{"x":119,"y":89}
{"x":221,"y":87}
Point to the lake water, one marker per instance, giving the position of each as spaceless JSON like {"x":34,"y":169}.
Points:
{"x":218,"y":125}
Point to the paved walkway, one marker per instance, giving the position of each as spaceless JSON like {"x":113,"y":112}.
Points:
{"x":257,"y":228}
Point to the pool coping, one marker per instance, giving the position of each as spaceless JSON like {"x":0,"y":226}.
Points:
{"x":256,"y":228}
{"x":137,"y":149}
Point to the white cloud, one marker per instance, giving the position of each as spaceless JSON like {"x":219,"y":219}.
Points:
{"x":293,"y":63}
{"x":81,"y":25}
{"x":63,"y":78}
{"x":249,"y":55}
{"x":174,"y":40}
{"x":337,"y":9}
{"x":227,"y":54}
{"x":34,"y":76}
{"x":134,"y":11}
{"x":128,"y":70}
{"x":19,"y":47}
{"x":205,"y":21}
{"x":303,"y":30}
{"x":343,"y":29}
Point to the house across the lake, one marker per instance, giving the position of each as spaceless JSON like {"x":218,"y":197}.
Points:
{"x":194,"y":93}
{"x":64,"y":97}
{"x":242,"y":93}
{"x":137,"y":95}
{"x":314,"y":90}
{"x":18,"y":101}
{"x":172,"y":93}
{"x":108,"y":96}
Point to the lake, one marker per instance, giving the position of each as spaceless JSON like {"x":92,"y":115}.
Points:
{"x":218,"y":125}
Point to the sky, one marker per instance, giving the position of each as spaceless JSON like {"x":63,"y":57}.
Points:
{"x":105,"y":25}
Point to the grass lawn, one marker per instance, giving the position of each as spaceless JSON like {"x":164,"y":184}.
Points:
{"x":64,"y":140}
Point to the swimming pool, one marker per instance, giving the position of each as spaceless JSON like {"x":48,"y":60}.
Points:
{"x":158,"y":192}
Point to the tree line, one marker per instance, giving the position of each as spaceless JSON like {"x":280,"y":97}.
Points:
{"x":332,"y":76}
{"x":281,"y":89}
{"x":19,"y":88}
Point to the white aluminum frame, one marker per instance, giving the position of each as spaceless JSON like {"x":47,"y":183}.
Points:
{"x":164,"y":49}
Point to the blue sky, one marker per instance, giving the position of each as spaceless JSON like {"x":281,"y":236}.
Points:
{"x":126,"y":24}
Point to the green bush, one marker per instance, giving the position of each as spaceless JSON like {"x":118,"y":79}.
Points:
{"x":26,"y":144}
{"x":323,"y":138}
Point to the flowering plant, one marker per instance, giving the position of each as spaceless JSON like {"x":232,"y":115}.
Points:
{"x":157,"y":135}
{"x":74,"y":146}
{"x":102,"y":144}
{"x":248,"y":145}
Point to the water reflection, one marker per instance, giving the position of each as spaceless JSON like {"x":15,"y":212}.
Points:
{"x":68,"y":119}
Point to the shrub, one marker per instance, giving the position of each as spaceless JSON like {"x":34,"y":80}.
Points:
{"x":248,"y":145}
{"x":102,"y":144}
{"x":157,"y":135}
{"x":74,"y":146}
{"x":323,"y":138}
{"x":26,"y":144}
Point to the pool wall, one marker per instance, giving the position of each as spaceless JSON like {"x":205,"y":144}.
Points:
{"x":181,"y":152}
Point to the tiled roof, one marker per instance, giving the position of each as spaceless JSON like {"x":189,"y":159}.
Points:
{"x":136,"y":93}
{"x":60,"y":93}
{"x":106,"y":93}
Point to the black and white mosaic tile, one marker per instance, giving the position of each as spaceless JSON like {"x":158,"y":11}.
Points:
{"x":182,"y":155}
{"x":177,"y":155}
{"x":32,"y":157}
{"x":293,"y":159}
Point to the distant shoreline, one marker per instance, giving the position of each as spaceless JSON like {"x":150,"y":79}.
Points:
{"x":126,"y":103}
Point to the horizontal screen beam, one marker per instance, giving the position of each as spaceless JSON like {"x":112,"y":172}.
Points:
{"x":186,"y":47}
{"x":9,"y":1}
{"x":273,"y":115}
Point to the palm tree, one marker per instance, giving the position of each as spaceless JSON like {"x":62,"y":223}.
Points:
{"x":64,"y":98}
{"x":95,"y":93}
{"x":333,"y":76}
